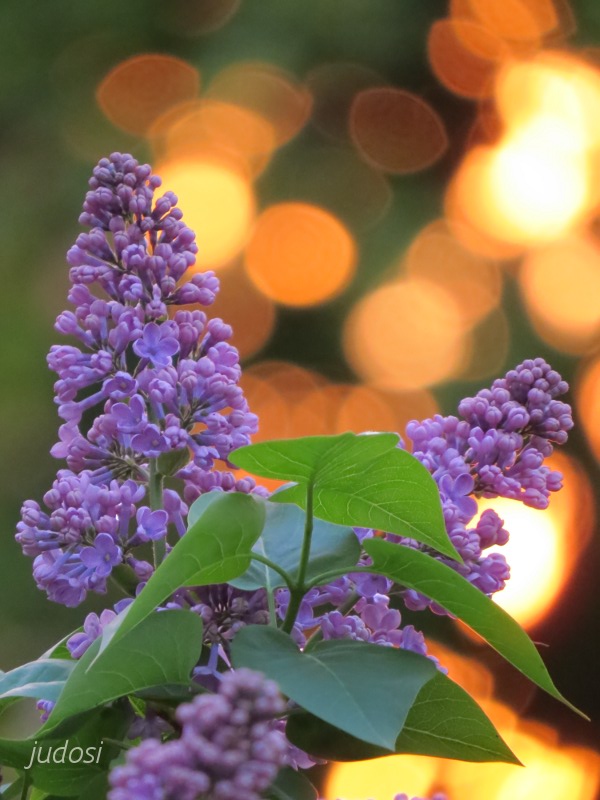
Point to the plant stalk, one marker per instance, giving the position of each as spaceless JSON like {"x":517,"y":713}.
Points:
{"x":155,"y":491}
{"x":300,"y":589}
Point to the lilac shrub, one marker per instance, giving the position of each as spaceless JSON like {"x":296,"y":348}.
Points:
{"x":152,"y":412}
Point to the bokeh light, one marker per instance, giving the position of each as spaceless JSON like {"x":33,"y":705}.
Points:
{"x":544,"y":546}
{"x":137,"y":91}
{"x":300,"y":254}
{"x":535,"y":552}
{"x":525,"y":25}
{"x":558,"y":87}
{"x":588,"y":402}
{"x":560,"y":285}
{"x":268,"y":91}
{"x":515,"y":21}
{"x":213,"y":126}
{"x":380,"y":778}
{"x":250,"y":313}
{"x":405,"y":335}
{"x":290,"y":386}
{"x":200,"y":17}
{"x":536,"y":184}
{"x":334,"y":87}
{"x":520,"y":192}
{"x":552,"y":770}
{"x":362,"y":408}
{"x":396,"y":131}
{"x":340,"y":181}
{"x":465,"y":56}
{"x":486,"y":348}
{"x":218,"y":202}
{"x":475,"y":282}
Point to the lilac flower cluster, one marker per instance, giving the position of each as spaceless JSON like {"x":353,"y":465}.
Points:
{"x":496,"y":448}
{"x":161,"y":380}
{"x":325,"y":609}
{"x":229,"y":748}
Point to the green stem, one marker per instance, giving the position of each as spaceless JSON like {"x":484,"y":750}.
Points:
{"x":298,"y":592}
{"x":26,"y":787}
{"x":271,"y":607}
{"x":155,"y":490}
{"x":117,"y":743}
{"x":276,"y":568}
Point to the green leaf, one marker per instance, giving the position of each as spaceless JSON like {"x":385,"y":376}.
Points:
{"x":171,"y":692}
{"x":441,"y":583}
{"x":361,"y":481}
{"x":363,"y":689}
{"x":67,"y":779}
{"x":43,"y":679}
{"x":38,"y":794}
{"x":161,"y":650}
{"x":200,"y":505}
{"x":11,"y":790}
{"x":281,"y":541}
{"x":215,"y":549}
{"x":291,"y":785}
{"x":444,"y":722}
{"x":60,"y":649}
{"x":97,"y":788}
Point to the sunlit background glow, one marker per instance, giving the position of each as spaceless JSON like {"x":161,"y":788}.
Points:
{"x":219,"y":205}
{"x":518,"y":214}
{"x":400,"y":202}
{"x":553,"y":769}
{"x":300,"y":255}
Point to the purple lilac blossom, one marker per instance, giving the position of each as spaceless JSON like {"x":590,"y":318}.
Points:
{"x":229,"y":748}
{"x":496,"y":448}
{"x":45,"y":708}
{"x":223,"y":610}
{"x":93,"y":626}
{"x":160,"y":380}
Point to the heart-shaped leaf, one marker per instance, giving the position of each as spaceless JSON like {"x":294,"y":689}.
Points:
{"x":332,"y":546}
{"x":161,"y":650}
{"x":444,"y":722}
{"x":357,"y":480}
{"x":60,"y":776}
{"x":215,"y":549}
{"x":364,"y":689}
{"x":441,"y":583}
{"x":42,"y":679}
{"x":290,"y":784}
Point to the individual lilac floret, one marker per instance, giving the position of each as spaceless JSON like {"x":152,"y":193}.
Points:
{"x":225,"y":609}
{"x":93,"y":626}
{"x":45,"y":708}
{"x":377,"y":623}
{"x":229,"y":749}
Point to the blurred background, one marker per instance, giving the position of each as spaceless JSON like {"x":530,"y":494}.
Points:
{"x":401,"y":198}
